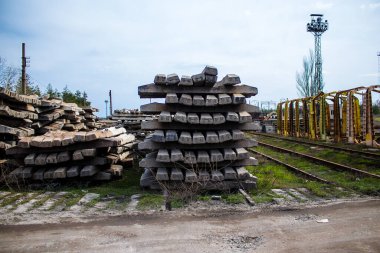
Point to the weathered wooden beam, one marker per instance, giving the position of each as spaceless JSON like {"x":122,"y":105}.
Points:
{"x":156,"y":91}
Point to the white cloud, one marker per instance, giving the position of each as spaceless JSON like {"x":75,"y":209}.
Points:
{"x":371,"y":6}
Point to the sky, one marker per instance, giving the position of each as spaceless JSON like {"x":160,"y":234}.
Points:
{"x":99,"y":46}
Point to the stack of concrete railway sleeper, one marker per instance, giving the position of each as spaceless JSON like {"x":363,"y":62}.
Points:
{"x":62,"y":155}
{"x":198,"y":138}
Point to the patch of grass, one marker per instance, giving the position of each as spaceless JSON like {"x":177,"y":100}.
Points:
{"x":12,"y":199}
{"x":204,"y":198}
{"x":92,"y":203}
{"x":25,"y":200}
{"x":40,"y":202}
{"x":150,"y":201}
{"x":233,"y":198}
{"x":262,"y":197}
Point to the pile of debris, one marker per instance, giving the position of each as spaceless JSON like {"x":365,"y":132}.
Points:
{"x":198,"y":138}
{"x":60,"y":155}
{"x":29,"y":115}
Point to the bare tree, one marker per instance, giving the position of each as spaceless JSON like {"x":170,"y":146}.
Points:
{"x":8,"y":75}
{"x":305,"y":80}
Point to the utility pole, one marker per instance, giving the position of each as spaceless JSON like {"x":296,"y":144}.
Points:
{"x":110,"y":94}
{"x":317,"y":27}
{"x":24,"y":64}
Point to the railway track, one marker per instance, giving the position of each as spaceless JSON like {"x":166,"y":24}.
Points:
{"x":352,"y":151}
{"x":333,"y":165}
{"x":298,"y":171}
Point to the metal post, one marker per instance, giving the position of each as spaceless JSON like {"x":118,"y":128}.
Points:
{"x":23,"y":72}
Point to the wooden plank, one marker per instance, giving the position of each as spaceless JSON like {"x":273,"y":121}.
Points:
{"x":156,"y":91}
{"x":156,"y":108}
{"x":151,"y":145}
{"x":190,"y":159}
{"x":6,"y":111}
{"x":154,"y":124}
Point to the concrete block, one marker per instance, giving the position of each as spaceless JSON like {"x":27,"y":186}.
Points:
{"x":172,"y":79}
{"x":216,"y":156}
{"x":73,"y":171}
{"x":163,"y":156}
{"x":39,"y":174}
{"x":206,"y":119}
{"x":245,"y":117}
{"x":224,"y":135}
{"x":27,"y":172}
{"x":242,"y":173}
{"x":77,"y":155}
{"x":198,"y":138}
{"x":60,"y":172}
{"x":49,"y":174}
{"x":212,"y":137}
{"x":185,"y":138}
{"x":203,"y":157}
{"x":241,"y":153}
{"x":190,"y":157}
{"x":224,"y":99}
{"x":89,"y":170}
{"x":191,"y":176}
{"x":176,"y":174}
{"x":162,"y":174}
{"x":147,"y":178}
{"x":171,"y":135}
{"x":160,"y":79}
{"x":203,"y":176}
{"x":238,"y":99}
{"x":171,"y":98}
{"x":186,"y":99}
{"x":40,"y":159}
{"x":237,"y":135}
{"x":186,"y":81}
{"x":232,"y":116}
{"x":199,"y":79}
{"x":180,"y":117}
{"x":230,"y":79}
{"x":211,"y":100}
{"x":229,"y":173}
{"x":218,"y":119}
{"x":217,"y":176}
{"x":210,"y":80}
{"x":192,"y":118}
{"x":229,"y":154}
{"x":165,"y":117}
{"x":176,"y":156}
{"x":29,"y":159}
{"x":158,"y":136}
{"x":198,"y":100}
{"x":210,"y":70}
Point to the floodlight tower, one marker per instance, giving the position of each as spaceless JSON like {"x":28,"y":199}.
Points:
{"x":317,"y":27}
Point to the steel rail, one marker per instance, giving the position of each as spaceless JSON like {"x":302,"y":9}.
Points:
{"x":333,"y":165}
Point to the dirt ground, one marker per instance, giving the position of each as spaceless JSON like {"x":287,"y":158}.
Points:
{"x":353,"y":226}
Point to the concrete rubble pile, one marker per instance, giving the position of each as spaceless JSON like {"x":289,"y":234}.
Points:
{"x":29,"y":115}
{"x":62,"y":155}
{"x":198,"y":138}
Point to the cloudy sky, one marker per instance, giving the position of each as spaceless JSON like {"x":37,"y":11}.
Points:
{"x":101,"y":45}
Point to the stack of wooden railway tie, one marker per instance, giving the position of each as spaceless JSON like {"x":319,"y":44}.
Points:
{"x":29,"y":115}
{"x":61,"y":155}
{"x":198,"y":138}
